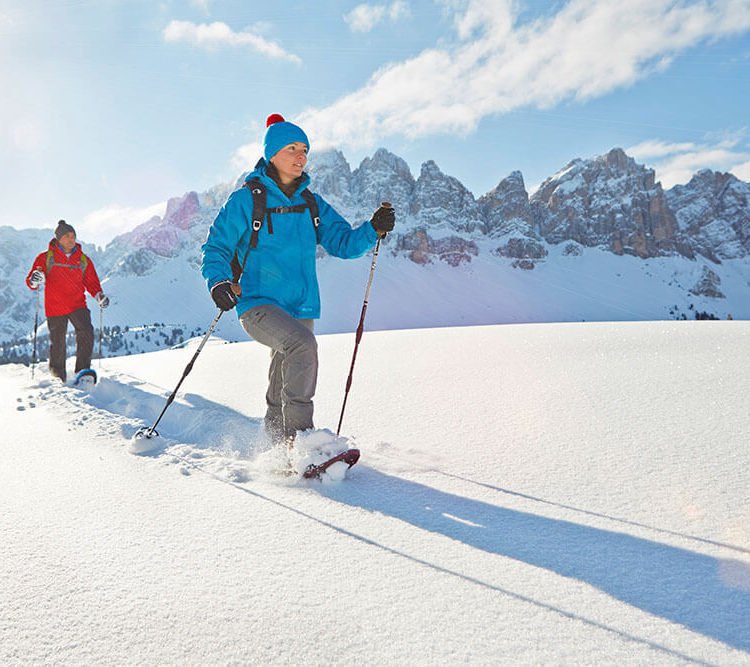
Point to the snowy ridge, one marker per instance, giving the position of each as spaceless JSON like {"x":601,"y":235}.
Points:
{"x":582,"y":227}
{"x":580,"y":489}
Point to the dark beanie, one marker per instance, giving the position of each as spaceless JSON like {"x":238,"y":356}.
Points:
{"x":63,"y":228}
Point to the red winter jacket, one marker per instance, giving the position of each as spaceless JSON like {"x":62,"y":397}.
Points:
{"x":65,"y":279}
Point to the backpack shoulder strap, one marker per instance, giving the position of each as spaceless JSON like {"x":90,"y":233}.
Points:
{"x":51,"y":262}
{"x":312,"y":204}
{"x":258,"y":191}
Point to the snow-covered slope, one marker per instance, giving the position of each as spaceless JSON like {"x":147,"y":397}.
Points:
{"x":528,"y":494}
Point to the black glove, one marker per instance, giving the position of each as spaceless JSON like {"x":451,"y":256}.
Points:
{"x":102,"y":299}
{"x":383,"y":220}
{"x":223,"y":295}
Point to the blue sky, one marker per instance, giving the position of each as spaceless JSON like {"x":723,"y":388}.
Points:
{"x":109,"y":107}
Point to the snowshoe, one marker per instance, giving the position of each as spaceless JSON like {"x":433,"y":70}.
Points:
{"x":313,"y":471}
{"x":85,"y":378}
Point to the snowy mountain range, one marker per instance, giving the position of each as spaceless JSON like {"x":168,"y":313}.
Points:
{"x":599,"y":240}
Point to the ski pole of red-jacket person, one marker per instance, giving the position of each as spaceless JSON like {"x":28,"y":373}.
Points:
{"x":36,"y":329}
{"x":67,"y":274}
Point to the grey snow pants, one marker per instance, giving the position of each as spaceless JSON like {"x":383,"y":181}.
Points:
{"x":293,"y":374}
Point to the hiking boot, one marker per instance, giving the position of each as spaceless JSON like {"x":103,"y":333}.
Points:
{"x":57,"y":374}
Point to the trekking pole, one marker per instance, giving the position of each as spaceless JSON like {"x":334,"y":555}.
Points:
{"x":36,"y":326}
{"x":101,"y":329}
{"x":148,"y":432}
{"x":361,"y":325}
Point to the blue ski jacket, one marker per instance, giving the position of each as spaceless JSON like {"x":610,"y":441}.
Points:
{"x":281,"y":269}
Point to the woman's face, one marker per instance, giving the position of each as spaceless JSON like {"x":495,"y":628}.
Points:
{"x":290,"y":161}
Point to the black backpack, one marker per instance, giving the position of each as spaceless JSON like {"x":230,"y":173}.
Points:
{"x":261,"y":212}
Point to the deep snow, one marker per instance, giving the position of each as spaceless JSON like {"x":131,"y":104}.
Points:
{"x":550,"y":493}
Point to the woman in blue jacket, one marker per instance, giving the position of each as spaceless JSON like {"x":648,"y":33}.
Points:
{"x":278,"y":297}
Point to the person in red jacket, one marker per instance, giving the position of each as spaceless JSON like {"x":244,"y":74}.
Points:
{"x":67,"y":272}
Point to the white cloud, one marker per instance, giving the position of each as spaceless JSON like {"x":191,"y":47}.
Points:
{"x":742,"y":171}
{"x":26,"y":135}
{"x":365,"y":17}
{"x":204,"y":5}
{"x":218,"y":34}
{"x":246,"y":156}
{"x":101,"y":226}
{"x":494,"y":65}
{"x":677,"y":162}
{"x":658,"y":149}
{"x":398,"y":10}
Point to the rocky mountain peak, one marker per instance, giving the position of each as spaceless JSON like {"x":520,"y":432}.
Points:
{"x":181,"y":211}
{"x":384,"y":158}
{"x":713,"y":214}
{"x":506,"y":207}
{"x":618,"y":160}
{"x":331,"y":173}
{"x":440,"y":199}
{"x":163,"y":236}
{"x":608,"y":201}
{"x":383,"y":177}
{"x":329,"y":160}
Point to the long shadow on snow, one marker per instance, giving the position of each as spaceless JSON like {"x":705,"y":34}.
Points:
{"x":682,"y":586}
{"x":191,"y":419}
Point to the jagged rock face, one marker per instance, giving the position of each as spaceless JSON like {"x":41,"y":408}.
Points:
{"x":165,"y":237}
{"x":330,"y":174}
{"x":421,"y":248}
{"x":713,"y":214}
{"x":183,"y":226}
{"x":524,"y":251}
{"x":572,"y":249}
{"x":383,"y":177}
{"x":611,"y":202}
{"x":440,"y":200}
{"x":708,"y":285}
{"x":506,"y":209}
{"x":140,"y":262}
{"x":522,"y":248}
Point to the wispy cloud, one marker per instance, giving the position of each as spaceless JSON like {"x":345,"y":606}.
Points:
{"x":494,"y":65}
{"x":365,"y":17}
{"x":247,"y":155}
{"x":27,"y":135}
{"x":204,"y":5}
{"x":101,"y":226}
{"x":12,"y":19}
{"x":218,"y":34}
{"x":655,"y":149}
{"x":677,"y":162}
{"x":742,"y":171}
